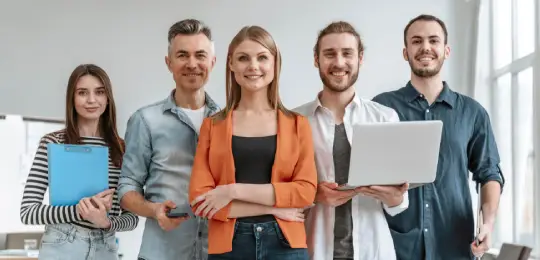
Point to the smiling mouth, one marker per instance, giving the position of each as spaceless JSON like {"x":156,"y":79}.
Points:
{"x":425,"y":58}
{"x":253,"y":76}
{"x":92,"y":109}
{"x":192,"y":74}
{"x":339,"y":73}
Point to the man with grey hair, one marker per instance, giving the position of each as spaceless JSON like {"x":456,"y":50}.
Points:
{"x":161,"y":139}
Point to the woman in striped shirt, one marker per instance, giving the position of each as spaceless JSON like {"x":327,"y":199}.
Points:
{"x":86,"y":230}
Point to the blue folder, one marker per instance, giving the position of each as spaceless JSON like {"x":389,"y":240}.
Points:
{"x":76,"y":172}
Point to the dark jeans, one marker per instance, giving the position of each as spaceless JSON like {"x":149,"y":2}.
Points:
{"x":260,"y":241}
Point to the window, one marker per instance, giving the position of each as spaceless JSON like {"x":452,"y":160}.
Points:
{"x":514,"y":60}
{"x":20,"y":138}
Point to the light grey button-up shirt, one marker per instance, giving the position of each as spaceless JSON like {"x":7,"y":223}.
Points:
{"x":160,"y":147}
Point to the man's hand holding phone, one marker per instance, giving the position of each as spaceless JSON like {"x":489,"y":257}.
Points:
{"x":161,"y":212}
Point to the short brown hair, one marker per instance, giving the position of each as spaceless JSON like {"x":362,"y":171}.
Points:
{"x":188,"y":27}
{"x":426,"y":18}
{"x":338,"y":27}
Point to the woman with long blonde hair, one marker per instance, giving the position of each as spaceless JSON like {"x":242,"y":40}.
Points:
{"x":254,"y":169}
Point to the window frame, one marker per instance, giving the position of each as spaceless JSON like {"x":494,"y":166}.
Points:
{"x":514,"y":68}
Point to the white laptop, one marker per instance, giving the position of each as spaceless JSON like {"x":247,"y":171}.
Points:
{"x":392,"y":153}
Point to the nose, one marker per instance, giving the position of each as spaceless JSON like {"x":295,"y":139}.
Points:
{"x":253,"y":65}
{"x":340,"y":60}
{"x":91,"y":98}
{"x":192,"y":63}
{"x":426,"y":47}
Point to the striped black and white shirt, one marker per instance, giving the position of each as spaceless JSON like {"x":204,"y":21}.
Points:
{"x":34,"y":212}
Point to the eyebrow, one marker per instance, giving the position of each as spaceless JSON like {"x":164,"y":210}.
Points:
{"x":332,"y":49}
{"x":430,"y":37}
{"x":98,"y":88}
{"x":262,"y":52}
{"x":186,"y":52}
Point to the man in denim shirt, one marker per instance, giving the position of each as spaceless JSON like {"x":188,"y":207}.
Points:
{"x":161,"y":139}
{"x":439,"y":223}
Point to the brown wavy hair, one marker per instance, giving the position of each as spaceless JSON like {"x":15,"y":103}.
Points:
{"x":107,"y":121}
{"x":233,"y":91}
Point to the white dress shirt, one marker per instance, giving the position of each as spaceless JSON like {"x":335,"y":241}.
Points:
{"x":371,"y":234}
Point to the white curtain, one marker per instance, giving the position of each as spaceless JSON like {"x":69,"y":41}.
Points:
{"x":472,"y":42}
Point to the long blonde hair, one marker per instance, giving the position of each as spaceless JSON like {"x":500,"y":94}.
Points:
{"x":233,"y":91}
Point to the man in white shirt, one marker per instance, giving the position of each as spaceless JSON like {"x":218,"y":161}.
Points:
{"x":346,"y":224}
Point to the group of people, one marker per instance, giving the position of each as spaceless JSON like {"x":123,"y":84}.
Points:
{"x":261,"y":179}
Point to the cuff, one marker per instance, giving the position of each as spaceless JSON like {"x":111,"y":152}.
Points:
{"x":392,"y":211}
{"x":282,"y":195}
{"x":126,"y":185}
{"x":223,"y":214}
{"x":113,"y":226}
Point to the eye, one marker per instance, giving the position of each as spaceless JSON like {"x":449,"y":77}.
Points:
{"x":81,"y":92}
{"x":201,"y":56}
{"x":263,"y":57}
{"x":100,"y":92}
{"x":243,"y":58}
{"x":329,"y":55}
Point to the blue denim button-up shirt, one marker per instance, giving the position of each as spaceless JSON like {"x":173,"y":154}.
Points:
{"x":439,"y":222}
{"x":160,"y":147}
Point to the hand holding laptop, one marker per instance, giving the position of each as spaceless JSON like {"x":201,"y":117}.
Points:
{"x":391,"y":195}
{"x":328,"y":194}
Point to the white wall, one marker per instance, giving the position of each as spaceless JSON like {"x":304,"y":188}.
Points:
{"x":42,"y":41}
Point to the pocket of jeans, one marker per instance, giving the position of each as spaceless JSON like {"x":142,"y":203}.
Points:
{"x":110,"y":243}
{"x":53,"y":236}
{"x":282,"y":237}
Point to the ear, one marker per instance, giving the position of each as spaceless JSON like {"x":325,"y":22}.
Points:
{"x":361,"y":58}
{"x":213,"y":61}
{"x":316,"y":60}
{"x":168,"y":63}
{"x":405,"y":57}
{"x":230,"y":63}
{"x":446,"y":51}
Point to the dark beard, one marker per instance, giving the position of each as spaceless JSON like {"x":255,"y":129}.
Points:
{"x":424,"y":72}
{"x":333,"y":88}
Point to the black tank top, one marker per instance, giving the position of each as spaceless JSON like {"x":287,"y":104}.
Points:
{"x":253,"y":160}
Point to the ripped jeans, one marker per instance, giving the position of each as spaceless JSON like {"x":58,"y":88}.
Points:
{"x":68,"y":241}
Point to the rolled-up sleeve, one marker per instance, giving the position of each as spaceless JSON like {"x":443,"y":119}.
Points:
{"x":137,"y":156}
{"x":483,"y":153}
{"x":201,"y":180}
{"x":300,"y":192}
{"x":392,"y":211}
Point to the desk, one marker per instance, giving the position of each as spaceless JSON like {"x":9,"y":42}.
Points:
{"x":18,"y":254}
{"x":6,"y":257}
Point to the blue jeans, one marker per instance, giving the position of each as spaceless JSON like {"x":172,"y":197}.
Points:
{"x":260,"y":241}
{"x":67,"y":241}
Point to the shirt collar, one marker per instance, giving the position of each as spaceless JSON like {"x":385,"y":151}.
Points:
{"x":315,"y":104}
{"x":170,"y":103}
{"x":447,"y":95}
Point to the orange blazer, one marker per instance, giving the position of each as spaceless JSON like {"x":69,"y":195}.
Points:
{"x":294,"y":175}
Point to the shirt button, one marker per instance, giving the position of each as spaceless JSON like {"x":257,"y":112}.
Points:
{"x":425,"y":230}
{"x":427,"y":111}
{"x":259,"y":229}
{"x":427,"y":205}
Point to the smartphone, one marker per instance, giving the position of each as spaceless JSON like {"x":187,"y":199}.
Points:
{"x":177,"y":213}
